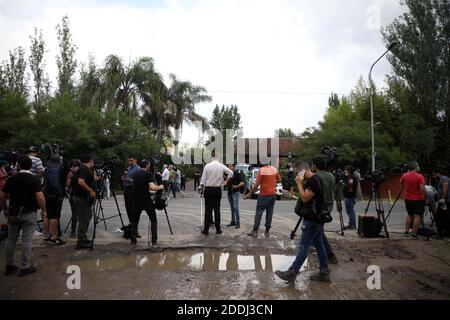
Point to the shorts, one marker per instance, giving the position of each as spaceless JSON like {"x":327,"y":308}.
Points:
{"x":54,"y":208}
{"x":415,"y":207}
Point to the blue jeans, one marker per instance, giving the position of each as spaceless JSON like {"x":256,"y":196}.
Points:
{"x":234,"y":205}
{"x":350,"y":209}
{"x":266,"y":203}
{"x":312,"y":233}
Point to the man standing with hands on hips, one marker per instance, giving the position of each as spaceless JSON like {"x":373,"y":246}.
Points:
{"x":211,"y":188}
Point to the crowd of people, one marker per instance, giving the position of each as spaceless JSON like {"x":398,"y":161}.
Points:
{"x":34,"y":187}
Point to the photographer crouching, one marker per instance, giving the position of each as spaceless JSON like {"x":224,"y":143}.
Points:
{"x":143,"y":183}
{"x":311,"y":205}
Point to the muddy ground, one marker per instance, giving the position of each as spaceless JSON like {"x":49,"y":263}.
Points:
{"x":235,"y":266}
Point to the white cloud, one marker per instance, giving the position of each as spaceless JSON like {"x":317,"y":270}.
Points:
{"x":250,"y":46}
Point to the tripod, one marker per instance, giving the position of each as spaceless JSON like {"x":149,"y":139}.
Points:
{"x":379,"y":208}
{"x":338,"y":200}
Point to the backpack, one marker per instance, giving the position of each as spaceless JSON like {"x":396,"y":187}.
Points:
{"x":161,"y":200}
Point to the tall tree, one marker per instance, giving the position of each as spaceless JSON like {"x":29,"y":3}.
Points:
{"x":66,"y":60}
{"x":333,"y":101}
{"x":37,"y":66}
{"x":14,"y":72}
{"x":226,"y":118}
{"x":421,"y":63}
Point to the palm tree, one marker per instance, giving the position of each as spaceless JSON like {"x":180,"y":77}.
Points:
{"x":184,"y":96}
{"x":126,"y":87}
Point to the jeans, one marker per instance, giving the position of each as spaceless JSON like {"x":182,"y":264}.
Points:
{"x":234,"y":205}
{"x":84,"y":214}
{"x":127,"y":194}
{"x":266,"y":203}
{"x":27,"y":224}
{"x":141,"y":204}
{"x":350,"y":209}
{"x":311,"y":234}
{"x":74,"y":215}
{"x":213,"y":197}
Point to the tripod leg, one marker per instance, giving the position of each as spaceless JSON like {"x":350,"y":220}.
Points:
{"x":168,"y":221}
{"x":296,"y":227}
{"x":95,"y":225}
{"x":103,"y":214}
{"x":68,"y":224}
{"x":117,"y":206}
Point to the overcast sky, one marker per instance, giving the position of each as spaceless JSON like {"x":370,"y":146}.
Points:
{"x":277,"y":60}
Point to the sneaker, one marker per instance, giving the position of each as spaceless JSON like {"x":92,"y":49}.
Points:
{"x":237,"y":226}
{"x":25,"y":272}
{"x":73,"y":235}
{"x":57,"y":242}
{"x":133,"y":244}
{"x":349,"y":227}
{"x":289,"y":275}
{"x":219,"y":232}
{"x":253,"y":234}
{"x":321,"y":276}
{"x":415,"y":236}
{"x":333,"y":260}
{"x":204,"y":232}
{"x":232,"y":224}
{"x":47,"y":239}
{"x":267,"y":233}
{"x":10,"y":269}
{"x":156,"y":247}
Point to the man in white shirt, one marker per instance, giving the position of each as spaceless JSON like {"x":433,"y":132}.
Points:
{"x":165,"y":177}
{"x":211,"y":186}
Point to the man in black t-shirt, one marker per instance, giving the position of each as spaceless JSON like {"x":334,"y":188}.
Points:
{"x":312,"y":229}
{"x":83,"y":194}
{"x":26,"y":196}
{"x":234,"y":186}
{"x":143,"y":183}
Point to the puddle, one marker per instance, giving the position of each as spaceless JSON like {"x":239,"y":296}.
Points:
{"x":192,"y":261}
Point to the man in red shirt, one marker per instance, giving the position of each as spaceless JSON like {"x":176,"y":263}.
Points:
{"x":415,"y":193}
{"x":267,"y":180}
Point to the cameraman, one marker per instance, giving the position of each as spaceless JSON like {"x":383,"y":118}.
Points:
{"x":37,"y":169}
{"x":415,"y":195}
{"x":329,"y":187}
{"x":350,"y":188}
{"x":144,"y":182}
{"x":132,"y":169}
{"x":312,"y":229}
{"x":83,"y":195}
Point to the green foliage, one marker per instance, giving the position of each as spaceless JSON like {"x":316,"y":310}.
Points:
{"x":285,"y":133}
{"x":226,"y":118}
{"x":65,"y":61}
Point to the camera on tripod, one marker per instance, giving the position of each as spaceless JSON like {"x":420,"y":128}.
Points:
{"x":332,"y":157}
{"x":105,"y":163}
{"x":376,"y":177}
{"x":50,"y":149}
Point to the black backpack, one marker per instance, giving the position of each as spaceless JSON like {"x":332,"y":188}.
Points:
{"x":309,"y":211}
{"x":161,"y":200}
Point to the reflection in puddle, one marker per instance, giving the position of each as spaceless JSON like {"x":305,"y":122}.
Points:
{"x":191,"y":261}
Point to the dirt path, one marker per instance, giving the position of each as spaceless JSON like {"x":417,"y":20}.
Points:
{"x":233,"y":266}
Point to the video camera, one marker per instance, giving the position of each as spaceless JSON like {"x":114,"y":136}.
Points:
{"x":105,"y":163}
{"x":50,"y":149}
{"x":332,"y":157}
{"x":376,"y":177}
{"x":401,"y":168}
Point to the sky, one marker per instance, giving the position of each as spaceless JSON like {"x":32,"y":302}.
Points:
{"x":278,"y":61}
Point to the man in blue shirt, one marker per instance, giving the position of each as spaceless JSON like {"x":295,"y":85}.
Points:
{"x":132,"y":169}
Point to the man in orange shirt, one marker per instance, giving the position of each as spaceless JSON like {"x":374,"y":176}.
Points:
{"x":267,"y":179}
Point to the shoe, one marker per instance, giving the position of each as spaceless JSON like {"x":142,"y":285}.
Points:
{"x":57,"y":242}
{"x":10,"y":269}
{"x":333,"y":260}
{"x":204,"y":232}
{"x":156,"y":247}
{"x":267,"y":233}
{"x":349,"y":227}
{"x":133,"y":244}
{"x":83,"y":244}
{"x":232,"y":224}
{"x":237,"y":226}
{"x":138,"y":236}
{"x":219,"y":232}
{"x":25,"y":272}
{"x":73,"y":235}
{"x":254,"y":234}
{"x":415,"y":236}
{"x":288,"y":275}
{"x":47,"y":239}
{"x":321,"y":276}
